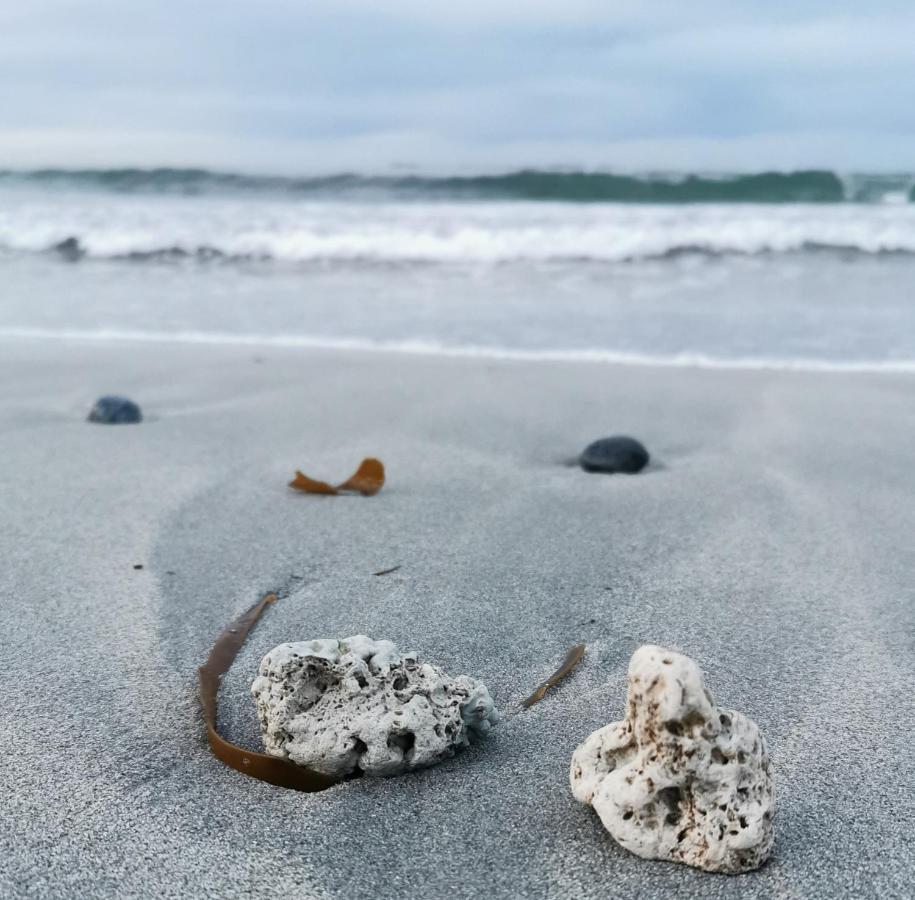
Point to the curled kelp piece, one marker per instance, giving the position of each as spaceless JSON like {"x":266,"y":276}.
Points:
{"x":573,"y":658}
{"x":256,"y":765}
{"x":367,"y":480}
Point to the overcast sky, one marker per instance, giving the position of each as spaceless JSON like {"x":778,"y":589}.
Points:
{"x":324,"y":85}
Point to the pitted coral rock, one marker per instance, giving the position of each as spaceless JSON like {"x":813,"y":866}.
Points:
{"x":680,"y":778}
{"x":338,"y":706}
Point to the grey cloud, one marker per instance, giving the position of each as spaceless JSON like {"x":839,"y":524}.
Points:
{"x":580,"y":81}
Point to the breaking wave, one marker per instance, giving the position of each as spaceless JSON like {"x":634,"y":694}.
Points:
{"x":76,"y":226}
{"x":807,"y":186}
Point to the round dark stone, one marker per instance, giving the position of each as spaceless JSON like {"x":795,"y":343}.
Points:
{"x":614,"y":454}
{"x":70,"y":249}
{"x":111,"y":410}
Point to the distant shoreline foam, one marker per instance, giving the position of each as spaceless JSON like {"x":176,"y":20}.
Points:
{"x":72,"y":249}
{"x":433,"y":349}
{"x":394,"y":237}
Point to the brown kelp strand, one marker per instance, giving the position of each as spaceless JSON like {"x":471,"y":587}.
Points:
{"x":271,"y":769}
{"x":573,"y":658}
{"x":367,"y":480}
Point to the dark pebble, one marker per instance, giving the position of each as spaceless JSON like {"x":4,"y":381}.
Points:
{"x":115,"y":411}
{"x":70,"y":249}
{"x":614,"y":454}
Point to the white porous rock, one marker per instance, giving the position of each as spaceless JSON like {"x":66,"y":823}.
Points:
{"x":338,"y":706}
{"x":680,"y":778}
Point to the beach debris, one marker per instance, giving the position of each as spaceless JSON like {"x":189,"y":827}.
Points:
{"x":387,"y":571}
{"x":613,"y":455}
{"x":69,"y":249}
{"x":114,"y":410}
{"x":367,"y":480}
{"x":344,"y":706}
{"x":256,"y":765}
{"x":680,"y":778}
{"x":573,"y":658}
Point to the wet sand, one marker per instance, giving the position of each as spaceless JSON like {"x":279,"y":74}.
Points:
{"x":771,"y":540}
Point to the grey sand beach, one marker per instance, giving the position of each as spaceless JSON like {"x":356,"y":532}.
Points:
{"x":770,"y":540}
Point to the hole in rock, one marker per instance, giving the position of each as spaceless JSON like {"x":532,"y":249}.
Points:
{"x":671,"y":797}
{"x":405,"y":740}
{"x":627,"y":815}
{"x":725,"y":720}
{"x":718,"y":757}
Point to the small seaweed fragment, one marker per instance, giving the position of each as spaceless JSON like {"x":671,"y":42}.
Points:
{"x":271,"y":769}
{"x":573,"y":658}
{"x":387,"y":571}
{"x":367,"y":480}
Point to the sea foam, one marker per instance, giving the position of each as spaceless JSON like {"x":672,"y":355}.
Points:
{"x":458,"y":351}
{"x":207,"y":228}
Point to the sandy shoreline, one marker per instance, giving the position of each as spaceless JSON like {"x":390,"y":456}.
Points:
{"x":771,"y":542}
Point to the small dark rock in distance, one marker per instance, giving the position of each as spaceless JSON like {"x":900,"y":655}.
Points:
{"x":70,"y":249}
{"x":111,"y":410}
{"x":614,"y":454}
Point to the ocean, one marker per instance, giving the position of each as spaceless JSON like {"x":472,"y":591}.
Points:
{"x":809,"y":270}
